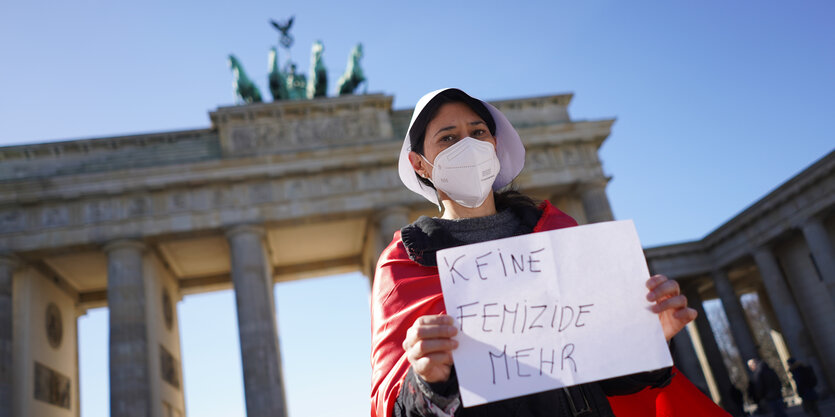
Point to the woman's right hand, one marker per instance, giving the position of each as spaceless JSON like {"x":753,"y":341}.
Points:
{"x":429,"y":346}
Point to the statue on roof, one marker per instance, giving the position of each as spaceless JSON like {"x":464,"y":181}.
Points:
{"x":245,"y":89}
{"x":353,"y":76}
{"x":276,"y":78}
{"x":296,"y":83}
{"x":291,"y":85}
{"x":318,"y":81}
{"x":284,"y":30}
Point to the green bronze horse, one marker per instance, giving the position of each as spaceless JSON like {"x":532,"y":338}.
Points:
{"x":353,"y":76}
{"x":245,"y":89}
{"x":276,"y":79}
{"x":317,"y":85}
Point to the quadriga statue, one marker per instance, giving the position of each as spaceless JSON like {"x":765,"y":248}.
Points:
{"x":276,"y":79}
{"x":245,"y":89}
{"x":296,"y":84}
{"x":353,"y":76}
{"x":317,"y":85}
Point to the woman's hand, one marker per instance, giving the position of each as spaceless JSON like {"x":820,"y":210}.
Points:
{"x":429,"y":346}
{"x":670,"y":305}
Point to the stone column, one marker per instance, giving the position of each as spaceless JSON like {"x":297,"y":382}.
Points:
{"x":260,"y":356}
{"x":7,"y":268}
{"x":130,"y":390}
{"x":390,"y":221}
{"x":382,"y":228}
{"x":736,"y":316}
{"x":788,"y":316}
{"x":815,"y":304}
{"x":821,"y":247}
{"x":596,"y":203}
{"x":711,"y":348}
{"x":686,"y":360}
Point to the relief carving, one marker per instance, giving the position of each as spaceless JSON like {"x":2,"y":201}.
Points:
{"x":223,"y":196}
{"x":571,"y":156}
{"x":54,"y":326}
{"x":12,"y":220}
{"x":374,"y":179}
{"x":55,"y":217}
{"x":261,"y":192}
{"x":242,"y":139}
{"x":336,"y":184}
{"x":538,"y":160}
{"x":275,"y":136}
{"x":138,"y":207}
{"x":556,"y":156}
{"x":51,"y":386}
{"x":98,"y":211}
{"x":169,"y":367}
{"x":294,"y":189}
{"x":178,"y":201}
{"x":167,"y":309}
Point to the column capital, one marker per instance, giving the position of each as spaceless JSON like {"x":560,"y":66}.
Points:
{"x":125,"y":243}
{"x":245,"y":228}
{"x":595,"y":201}
{"x":718,"y":271}
{"x":762,"y":251}
{"x":811,"y":221}
{"x":593,"y":183}
{"x":821,"y":247}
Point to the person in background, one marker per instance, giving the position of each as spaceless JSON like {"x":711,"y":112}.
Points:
{"x":805,"y":379}
{"x":735,"y":406}
{"x":765,"y":387}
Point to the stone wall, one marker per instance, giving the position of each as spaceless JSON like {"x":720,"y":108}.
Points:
{"x":45,"y":348}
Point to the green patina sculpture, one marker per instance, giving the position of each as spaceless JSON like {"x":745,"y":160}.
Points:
{"x":290,"y":85}
{"x":353,"y":76}
{"x":296,"y":84}
{"x":245,"y":89}
{"x":276,"y":79}
{"x":318,"y":85}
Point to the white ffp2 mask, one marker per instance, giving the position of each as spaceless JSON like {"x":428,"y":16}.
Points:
{"x":466,"y":171}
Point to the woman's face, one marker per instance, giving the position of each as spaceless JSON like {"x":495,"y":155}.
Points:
{"x":454,"y":121}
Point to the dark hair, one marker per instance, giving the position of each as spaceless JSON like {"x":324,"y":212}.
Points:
{"x":417,"y":132}
{"x":509,"y":198}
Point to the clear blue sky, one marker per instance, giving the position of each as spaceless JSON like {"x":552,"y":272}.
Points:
{"x":716,"y":103}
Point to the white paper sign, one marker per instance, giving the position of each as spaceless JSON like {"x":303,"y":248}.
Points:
{"x":551,"y":309}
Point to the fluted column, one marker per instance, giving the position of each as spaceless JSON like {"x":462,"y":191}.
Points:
{"x":815,"y":301}
{"x":391,"y":221}
{"x":8,"y":265}
{"x":130,"y":390}
{"x":736,"y":316}
{"x":821,"y":247}
{"x":384,"y":225}
{"x":791,"y":324}
{"x":260,"y":356}
{"x":686,"y":360}
{"x":711,"y":348}
{"x":596,"y":203}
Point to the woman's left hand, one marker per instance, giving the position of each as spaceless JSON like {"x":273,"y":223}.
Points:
{"x":670,"y":305}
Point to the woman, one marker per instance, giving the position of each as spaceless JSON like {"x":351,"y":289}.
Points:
{"x":457,"y":153}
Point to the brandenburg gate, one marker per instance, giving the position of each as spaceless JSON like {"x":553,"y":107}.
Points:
{"x":270,"y":192}
{"x":296,"y":189}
